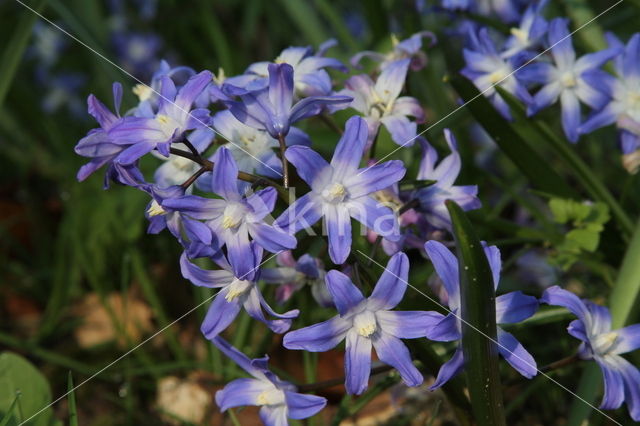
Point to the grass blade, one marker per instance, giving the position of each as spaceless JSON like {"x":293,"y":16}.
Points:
{"x":16,"y":46}
{"x":303,"y":15}
{"x":479,"y":332}
{"x":73,"y":410}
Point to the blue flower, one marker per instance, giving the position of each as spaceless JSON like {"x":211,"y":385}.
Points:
{"x":292,"y":275}
{"x":381,"y":103}
{"x":565,"y":78}
{"x":510,"y":308}
{"x":237,"y":291}
{"x":529,"y":33}
{"x":192,"y":234}
{"x":340,"y":191}
{"x":624,"y":91}
{"x":432,"y":198}
{"x":235,"y":216}
{"x":409,"y":48}
{"x":486,"y":67}
{"x":309,"y":76}
{"x":173,"y":119}
{"x":367,"y":323}
{"x":604,"y":346}
{"x":277,"y":399}
{"x":100,"y":146}
{"x":253,"y":148}
{"x":271,"y":108}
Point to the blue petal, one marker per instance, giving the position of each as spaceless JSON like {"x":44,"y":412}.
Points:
{"x":596,"y":59}
{"x":403,"y":131}
{"x":274,"y":415}
{"x":338,"y":222}
{"x":613,"y":385}
{"x":302,"y":406}
{"x":133,"y":153}
{"x":240,"y":392}
{"x":224,"y":179}
{"x":319,"y":337}
{"x":515,"y":307}
{"x":344,"y":293}
{"x":392,"y":351}
{"x":281,"y":94}
{"x":375,"y":216}
{"x":191,"y":90}
{"x":449,"y":369}
{"x":238,"y":357}
{"x":348,"y":152}
{"x":375,"y":178}
{"x":570,"y":115}
{"x":308,"y":163}
{"x":196,"y":207}
{"x":202,"y":277}
{"x":254,"y":303}
{"x":392,"y":284}
{"x":446,"y":266}
{"x":516,"y":355}
{"x":240,"y":253}
{"x":628,"y":339}
{"x":221,"y":313}
{"x":357,"y":363}
{"x":407,"y":324}
{"x":445,"y":330}
{"x":559,"y":297}
{"x":631,"y":378}
{"x":302,"y":214}
{"x":270,"y":238}
{"x":604,"y":117}
{"x":312,"y":105}
{"x":560,"y":41}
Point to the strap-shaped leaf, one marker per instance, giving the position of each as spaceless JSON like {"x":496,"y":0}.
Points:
{"x":478,"y":311}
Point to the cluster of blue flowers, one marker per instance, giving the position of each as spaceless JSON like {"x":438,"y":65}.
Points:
{"x":227,"y":142}
{"x":538,"y":64}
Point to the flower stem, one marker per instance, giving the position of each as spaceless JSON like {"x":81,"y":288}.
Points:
{"x":207,"y":166}
{"x":285,"y":164}
{"x":187,"y":183}
{"x":326,"y":119}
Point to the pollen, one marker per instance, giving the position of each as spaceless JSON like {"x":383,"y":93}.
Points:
{"x":365,"y":323}
{"x":522,"y":36}
{"x":568,"y":79}
{"x":497,"y":76}
{"x":155,"y":209}
{"x":336,"y":192}
{"x":142,"y":91}
{"x":163,"y":119}
{"x":236,"y":289}
{"x":230,"y":221}
{"x":271,"y":397}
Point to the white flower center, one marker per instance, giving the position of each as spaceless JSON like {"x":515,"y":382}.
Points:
{"x":233,"y":215}
{"x":271,"y":397}
{"x":167,"y":124}
{"x":603,"y":343}
{"x":365,"y":323}
{"x":568,"y":79}
{"x":499,"y":75}
{"x":335,"y":193}
{"x":237,"y":288}
{"x":155,"y":209}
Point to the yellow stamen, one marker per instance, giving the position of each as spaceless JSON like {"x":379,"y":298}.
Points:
{"x":155,"y":209}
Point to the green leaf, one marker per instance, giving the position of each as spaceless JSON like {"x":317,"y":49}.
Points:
{"x":537,"y":170}
{"x":73,"y":411}
{"x":19,"y":377}
{"x":15,"y":47}
{"x":306,"y":19}
{"x":479,"y":332}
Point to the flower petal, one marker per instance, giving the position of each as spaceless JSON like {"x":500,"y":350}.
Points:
{"x":318,"y":337}
{"x":240,"y":392}
{"x":446,"y":266}
{"x":449,"y":369}
{"x":628,"y":339}
{"x":202,"y":277}
{"x":392,"y":351}
{"x":375,"y":216}
{"x":224,"y":179}
{"x":516,"y":355}
{"x":348,"y":152}
{"x":221,"y":313}
{"x":613,"y":384}
{"x":344,"y":293}
{"x":445,"y":330}
{"x":302,"y":406}
{"x":374,"y":178}
{"x":407,"y":324}
{"x":515,"y":307}
{"x":392,"y":284}
{"x":271,"y":238}
{"x":308,"y":163}
{"x":357,"y":363}
{"x":338,"y":224}
{"x":302,"y":214}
